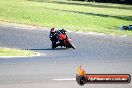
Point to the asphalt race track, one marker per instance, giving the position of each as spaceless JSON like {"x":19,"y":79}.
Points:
{"x":101,"y":54}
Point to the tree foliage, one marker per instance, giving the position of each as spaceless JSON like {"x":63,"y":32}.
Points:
{"x":109,"y":1}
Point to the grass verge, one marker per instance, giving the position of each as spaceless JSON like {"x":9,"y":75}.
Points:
{"x":15,"y":52}
{"x":78,"y":16}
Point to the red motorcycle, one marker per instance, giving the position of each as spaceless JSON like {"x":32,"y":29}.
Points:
{"x":63,"y":40}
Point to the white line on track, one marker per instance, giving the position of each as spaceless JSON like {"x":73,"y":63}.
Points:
{"x":24,"y":26}
{"x":65,"y":79}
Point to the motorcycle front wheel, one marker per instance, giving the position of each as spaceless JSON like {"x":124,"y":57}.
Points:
{"x":70,"y":45}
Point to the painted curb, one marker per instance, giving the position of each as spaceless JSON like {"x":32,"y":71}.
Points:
{"x":36,"y":55}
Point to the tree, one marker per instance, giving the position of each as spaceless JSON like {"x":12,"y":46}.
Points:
{"x":109,"y":1}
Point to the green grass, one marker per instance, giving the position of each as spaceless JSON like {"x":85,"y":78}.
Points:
{"x":78,"y":16}
{"x":15,"y":52}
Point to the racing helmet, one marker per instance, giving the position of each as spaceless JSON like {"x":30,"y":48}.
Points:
{"x":63,"y":31}
{"x":52,"y":30}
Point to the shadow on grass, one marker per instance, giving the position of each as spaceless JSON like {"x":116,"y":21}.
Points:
{"x":46,"y":49}
{"x":127,"y":18}
{"x":85,"y":4}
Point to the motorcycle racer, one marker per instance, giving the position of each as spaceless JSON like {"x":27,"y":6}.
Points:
{"x":53,"y":37}
{"x":60,"y":38}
